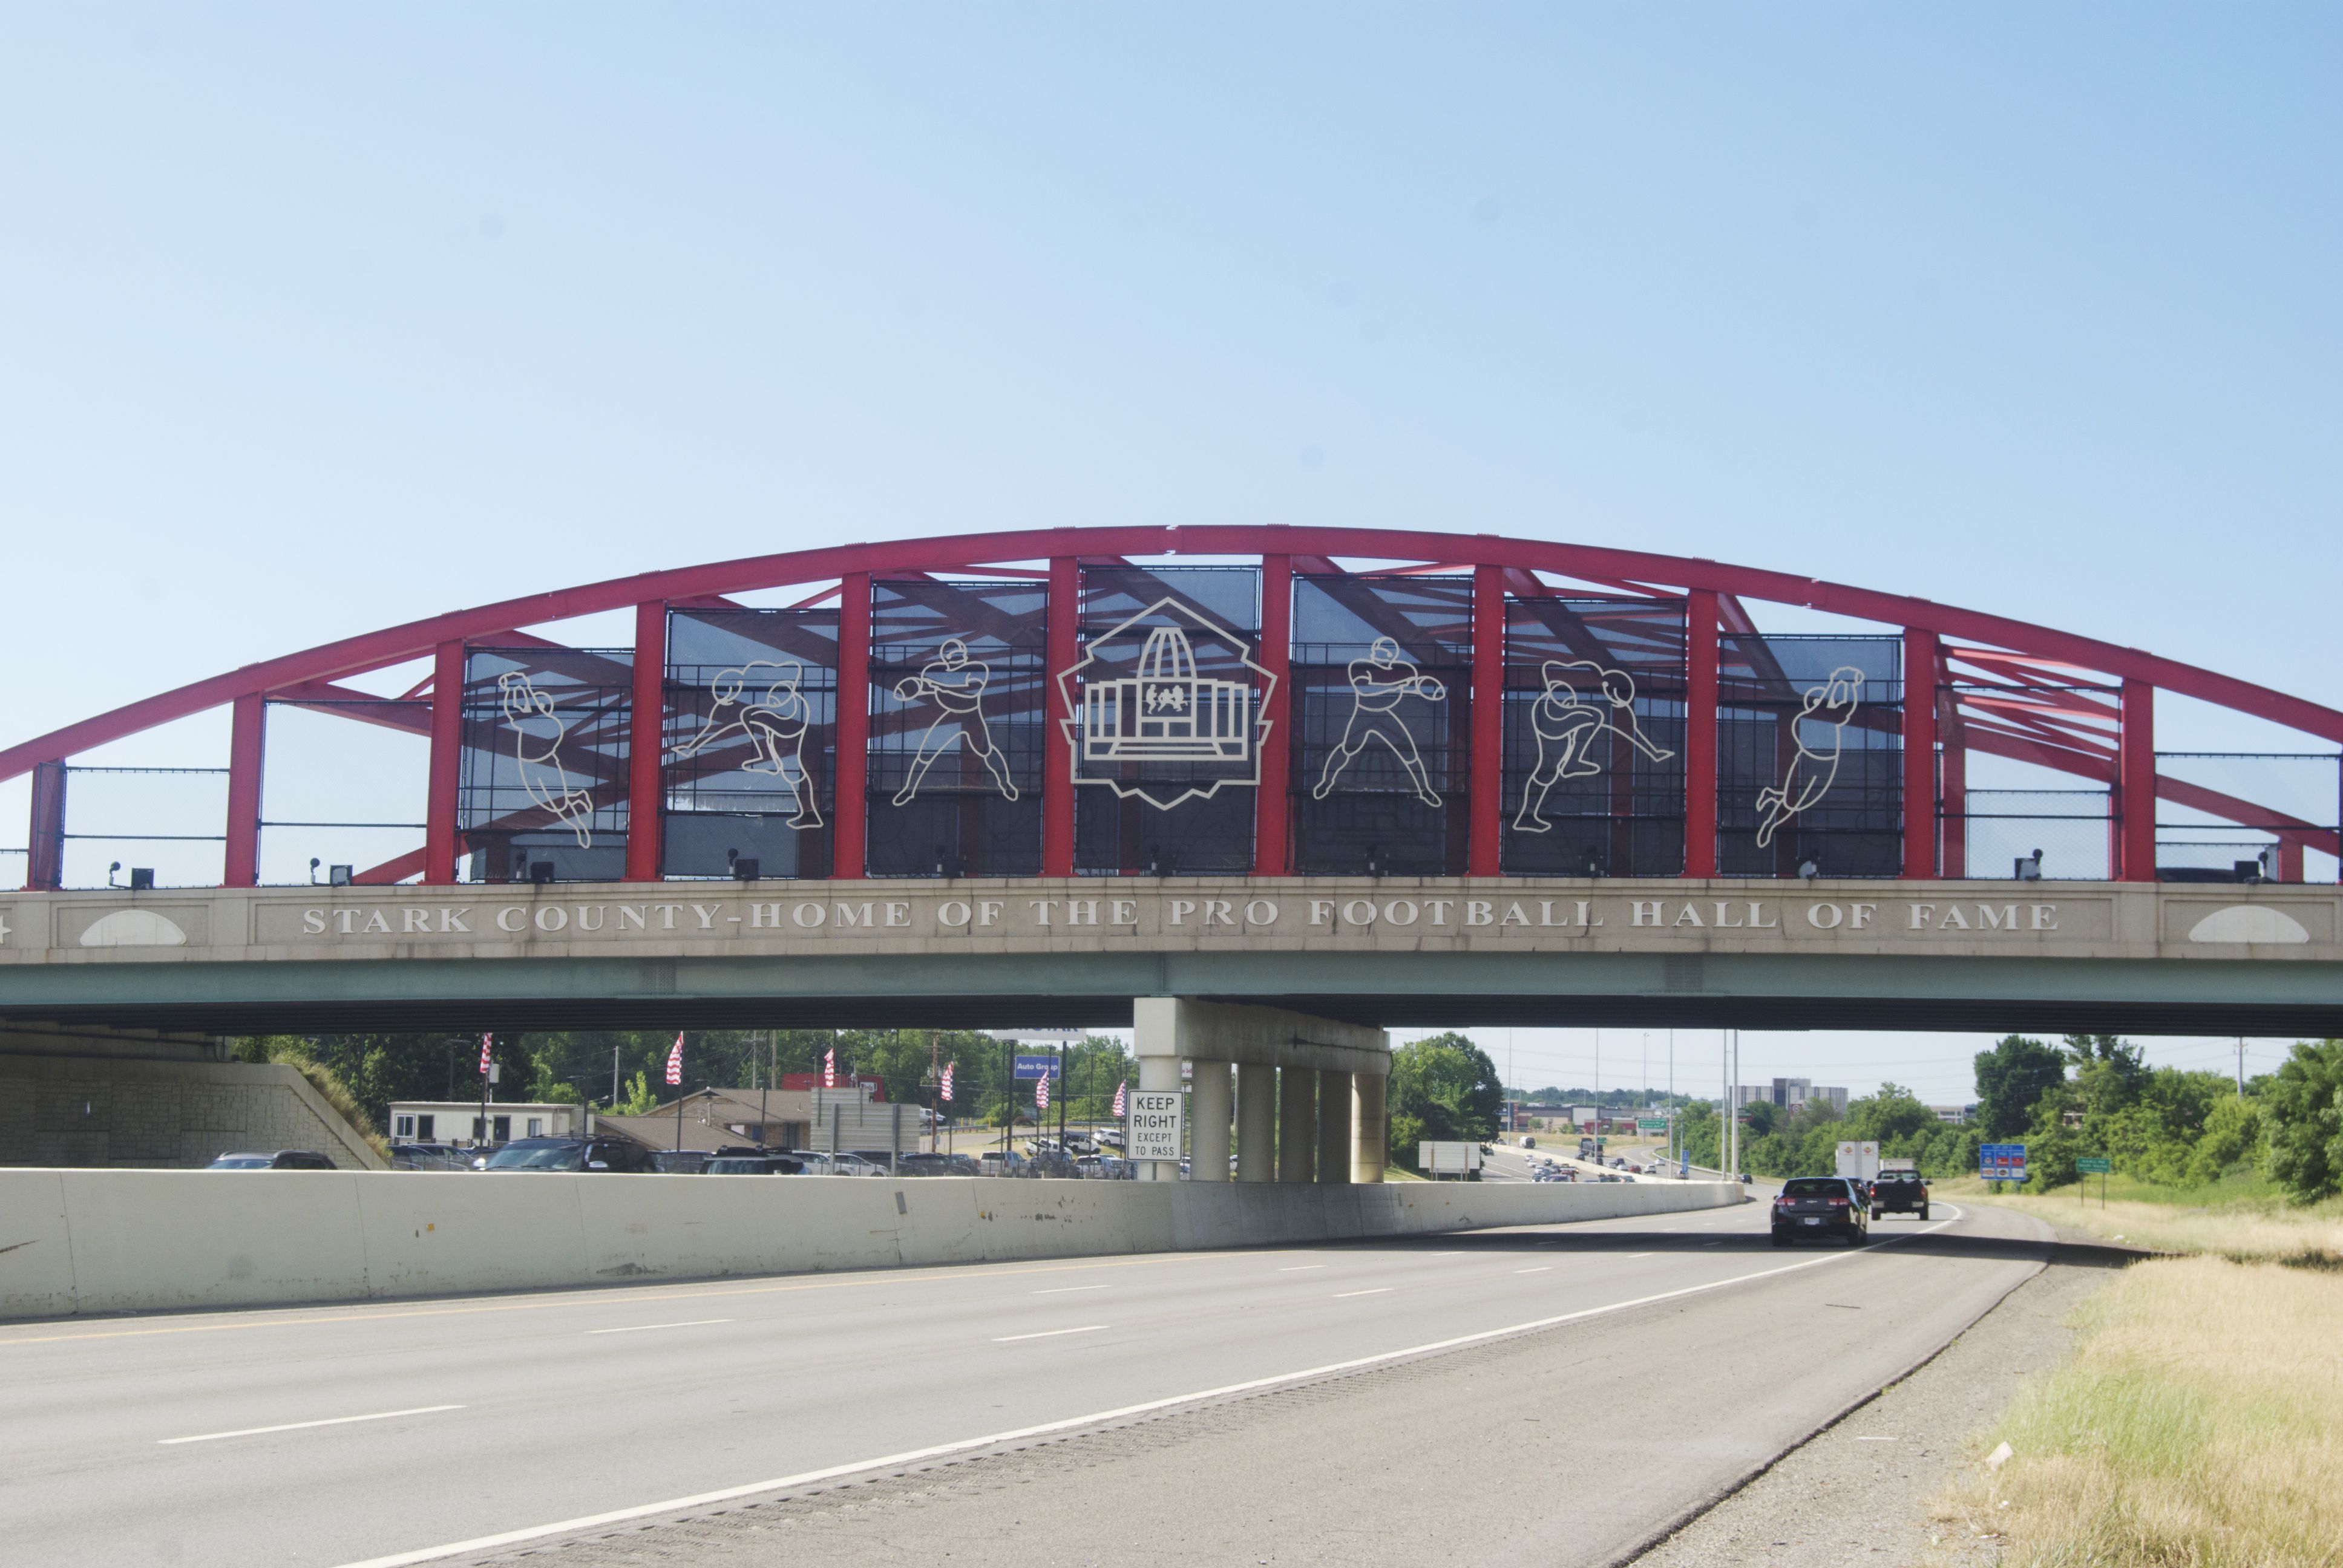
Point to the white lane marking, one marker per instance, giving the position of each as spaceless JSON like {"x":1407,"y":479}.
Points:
{"x":1643,"y":1254}
{"x":1075,"y":1422}
{"x":1378,"y":1291}
{"x":1070,"y":1289}
{"x":1049,"y":1335}
{"x":305,"y":1426}
{"x":1300,"y":1268}
{"x":646,"y":1328}
{"x":1546,"y":1268}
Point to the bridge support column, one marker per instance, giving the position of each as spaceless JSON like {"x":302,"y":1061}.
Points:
{"x":1256,"y":1122}
{"x":1297,"y":1124}
{"x":1311,"y":1059}
{"x":1370,"y":1139}
{"x":1333,"y":1127}
{"x":1155,"y":1038}
{"x":1207,"y":1123}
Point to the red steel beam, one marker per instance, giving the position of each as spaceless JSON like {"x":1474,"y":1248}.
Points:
{"x":851,"y":809}
{"x":1919,"y":753}
{"x":445,"y":774}
{"x":1700,"y":734}
{"x":394,"y":645}
{"x":2135,"y":784}
{"x":1062,"y":638}
{"x":1272,"y":835}
{"x":1487,"y":775}
{"x":247,"y":741}
{"x":647,"y":745}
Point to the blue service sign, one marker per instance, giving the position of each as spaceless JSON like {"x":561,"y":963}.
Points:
{"x":1031,"y":1067}
{"x":2002,"y":1161}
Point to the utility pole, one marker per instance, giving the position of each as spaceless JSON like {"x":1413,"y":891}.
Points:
{"x":765,"y":1092}
{"x":2241,"y":1067}
{"x":1675,"y":1145}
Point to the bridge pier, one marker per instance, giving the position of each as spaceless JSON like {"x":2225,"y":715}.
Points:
{"x":1256,"y":1122}
{"x":1310,"y":1090}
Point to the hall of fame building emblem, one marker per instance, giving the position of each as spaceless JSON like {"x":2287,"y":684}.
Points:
{"x":1166,"y":707}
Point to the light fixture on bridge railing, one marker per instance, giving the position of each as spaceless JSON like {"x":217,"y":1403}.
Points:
{"x":2028,"y":868}
{"x":745,"y":868}
{"x":142,"y":878}
{"x":110,"y":873}
{"x":314,"y":864}
{"x":1808,"y":869}
{"x":541,"y":872}
{"x":339,"y":876}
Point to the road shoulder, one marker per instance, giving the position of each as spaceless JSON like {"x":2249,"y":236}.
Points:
{"x":1858,"y":1492}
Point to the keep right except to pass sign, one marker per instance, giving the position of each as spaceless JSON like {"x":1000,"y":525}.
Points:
{"x":1155,"y":1115}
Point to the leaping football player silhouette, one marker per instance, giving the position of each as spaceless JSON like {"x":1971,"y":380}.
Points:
{"x":1378,"y":683}
{"x":955,"y":683}
{"x":1565,"y":723}
{"x":1811,"y":772}
{"x":536,"y":747}
{"x":775,"y":723}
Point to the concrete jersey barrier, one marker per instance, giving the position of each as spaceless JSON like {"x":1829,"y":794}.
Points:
{"x":82,"y":1242}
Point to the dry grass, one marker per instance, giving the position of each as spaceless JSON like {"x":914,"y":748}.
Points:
{"x":2199,"y":1424}
{"x":2259,"y":1230}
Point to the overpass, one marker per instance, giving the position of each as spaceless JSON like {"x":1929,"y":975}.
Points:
{"x":1367,"y":777}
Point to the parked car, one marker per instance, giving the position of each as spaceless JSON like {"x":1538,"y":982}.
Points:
{"x":853,"y":1163}
{"x":428,"y":1157}
{"x":677,"y":1161}
{"x":752,"y":1165}
{"x":283,"y":1159}
{"x":1105,"y":1168}
{"x":1821,"y":1206}
{"x":613,"y":1154}
{"x":1109,"y":1137}
{"x":1003,"y":1162}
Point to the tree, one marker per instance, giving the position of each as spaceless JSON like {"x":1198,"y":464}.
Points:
{"x":2303,"y":1111}
{"x":1443,"y":1088}
{"x":2011,"y":1080}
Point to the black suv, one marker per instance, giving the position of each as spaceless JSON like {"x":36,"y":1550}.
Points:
{"x":570,"y":1154}
{"x":1899,"y":1192}
{"x":1821,"y":1206}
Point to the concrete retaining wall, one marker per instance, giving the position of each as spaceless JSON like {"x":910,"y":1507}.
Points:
{"x":135,"y":1240}
{"x":108,"y":1108}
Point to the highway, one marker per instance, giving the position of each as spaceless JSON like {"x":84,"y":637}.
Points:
{"x":1426,"y":1401}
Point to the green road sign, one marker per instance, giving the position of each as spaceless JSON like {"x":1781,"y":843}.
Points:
{"x":2091,"y":1166}
{"x":1651,"y":1124}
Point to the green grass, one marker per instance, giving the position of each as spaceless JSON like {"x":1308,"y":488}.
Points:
{"x":2198,"y":1423}
{"x":2242,"y":1218}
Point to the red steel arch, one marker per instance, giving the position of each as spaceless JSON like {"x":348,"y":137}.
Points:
{"x":2088,"y":736}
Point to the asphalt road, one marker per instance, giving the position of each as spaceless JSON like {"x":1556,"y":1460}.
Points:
{"x":1503,"y":1382}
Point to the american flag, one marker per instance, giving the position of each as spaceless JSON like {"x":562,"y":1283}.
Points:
{"x":1041,"y":1092}
{"x":829,"y":1068}
{"x":950,"y":1068}
{"x":675,"y":1061}
{"x":1118,"y":1095}
{"x":487,"y":1042}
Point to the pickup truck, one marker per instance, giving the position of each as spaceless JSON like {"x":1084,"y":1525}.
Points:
{"x":1899,"y":1192}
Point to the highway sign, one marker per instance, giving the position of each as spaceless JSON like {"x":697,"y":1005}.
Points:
{"x":1651,"y":1124}
{"x":1030,"y":1067}
{"x":1155,"y":1120}
{"x":2092,"y":1165}
{"x":2002,"y":1161}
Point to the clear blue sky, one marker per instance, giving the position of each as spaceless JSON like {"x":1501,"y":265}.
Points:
{"x":318,"y":319}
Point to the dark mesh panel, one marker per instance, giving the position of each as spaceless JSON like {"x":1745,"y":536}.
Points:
{"x":1382,"y":724}
{"x":1184,"y":804}
{"x":1810,"y":755}
{"x":957,"y":692}
{"x":544,"y":774}
{"x":751,"y":762}
{"x":1594,"y":737}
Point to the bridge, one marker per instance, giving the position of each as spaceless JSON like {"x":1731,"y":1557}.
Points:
{"x":1364,"y":777}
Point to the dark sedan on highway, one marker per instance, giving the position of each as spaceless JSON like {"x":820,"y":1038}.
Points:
{"x":1812,"y":1207}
